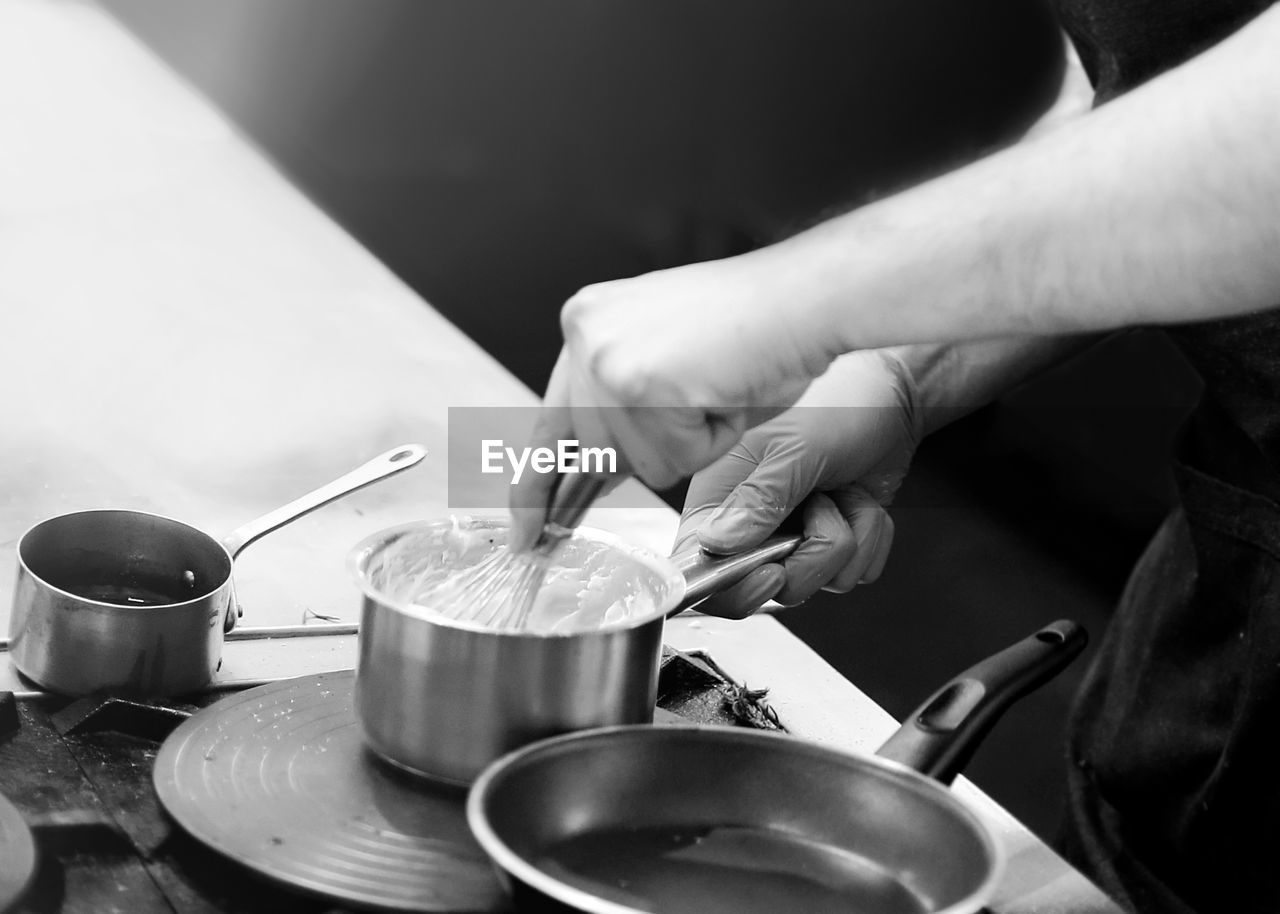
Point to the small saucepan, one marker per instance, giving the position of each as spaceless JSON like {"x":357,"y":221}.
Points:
{"x":134,"y":603}
{"x":702,"y":819}
{"x":444,"y":698}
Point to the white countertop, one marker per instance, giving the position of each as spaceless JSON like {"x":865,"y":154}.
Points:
{"x":278,"y":354}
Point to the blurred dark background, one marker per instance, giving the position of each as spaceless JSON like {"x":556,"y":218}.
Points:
{"x":500,"y":155}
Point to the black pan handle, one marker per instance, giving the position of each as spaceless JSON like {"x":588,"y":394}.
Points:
{"x":939,"y":737}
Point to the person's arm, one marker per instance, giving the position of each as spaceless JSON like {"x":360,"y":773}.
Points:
{"x":1161,"y":206}
{"x":1157,"y":208}
{"x":836,"y":458}
{"x":954,"y":379}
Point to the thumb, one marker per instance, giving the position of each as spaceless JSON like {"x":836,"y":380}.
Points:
{"x":762,"y":501}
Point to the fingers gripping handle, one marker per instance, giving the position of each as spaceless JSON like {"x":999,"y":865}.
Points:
{"x":938,"y":738}
{"x":706,"y":573}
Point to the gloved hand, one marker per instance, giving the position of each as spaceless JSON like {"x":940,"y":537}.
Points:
{"x":670,"y":368}
{"x":839,"y":454}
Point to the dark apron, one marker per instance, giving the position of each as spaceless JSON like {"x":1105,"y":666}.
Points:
{"x":1174,"y":796}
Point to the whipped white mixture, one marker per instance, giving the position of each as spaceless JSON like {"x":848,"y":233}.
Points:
{"x":590,"y":585}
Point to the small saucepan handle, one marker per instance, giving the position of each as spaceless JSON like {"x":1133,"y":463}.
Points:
{"x":939,"y":737}
{"x":706,"y":573}
{"x":386,"y":464}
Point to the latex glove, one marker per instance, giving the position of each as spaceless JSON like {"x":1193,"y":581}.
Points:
{"x":840,"y":455}
{"x":670,"y":368}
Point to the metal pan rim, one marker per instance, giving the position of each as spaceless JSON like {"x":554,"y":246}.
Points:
{"x":518,"y":867}
{"x":363,"y":552}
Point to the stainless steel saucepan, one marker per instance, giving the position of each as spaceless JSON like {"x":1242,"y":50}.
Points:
{"x":702,"y":820}
{"x":134,"y":603}
{"x":443,"y":698}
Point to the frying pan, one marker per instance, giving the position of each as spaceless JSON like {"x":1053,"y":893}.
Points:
{"x":135,"y":603}
{"x":700,"y":819}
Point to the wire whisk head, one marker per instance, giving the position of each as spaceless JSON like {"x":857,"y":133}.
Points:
{"x":498,"y":592}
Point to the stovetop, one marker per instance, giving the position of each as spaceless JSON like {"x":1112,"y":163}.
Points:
{"x":80,"y":774}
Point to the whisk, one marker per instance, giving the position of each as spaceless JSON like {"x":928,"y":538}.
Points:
{"x":500,"y":591}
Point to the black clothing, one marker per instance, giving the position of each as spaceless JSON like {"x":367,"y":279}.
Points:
{"x":1123,"y":43}
{"x":1174,"y":801}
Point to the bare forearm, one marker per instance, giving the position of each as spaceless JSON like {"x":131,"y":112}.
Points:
{"x":1160,"y":207}
{"x":954,"y":379}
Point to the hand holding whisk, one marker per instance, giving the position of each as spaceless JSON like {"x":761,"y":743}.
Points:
{"x":500,"y":591}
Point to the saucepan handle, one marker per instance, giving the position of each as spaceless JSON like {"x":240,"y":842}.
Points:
{"x":938,"y":738}
{"x":706,"y":573}
{"x":380,"y":467}
{"x":386,"y":464}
